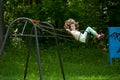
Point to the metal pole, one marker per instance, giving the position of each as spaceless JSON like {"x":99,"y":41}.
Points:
{"x":58,"y":49}
{"x":28,"y":55}
{"x":27,"y":60}
{"x":24,"y":28}
{"x":60,"y":59}
{"x":37,"y":46}
{"x":4,"y":41}
{"x":38,"y":52}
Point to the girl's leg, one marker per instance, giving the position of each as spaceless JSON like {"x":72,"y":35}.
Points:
{"x":93,"y":32}
{"x":90,"y":30}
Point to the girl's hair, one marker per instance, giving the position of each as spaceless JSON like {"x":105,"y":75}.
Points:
{"x":68,"y":23}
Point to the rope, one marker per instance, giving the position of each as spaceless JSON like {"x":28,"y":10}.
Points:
{"x":53,"y":33}
{"x":58,"y":35}
{"x":41,"y":26}
{"x":28,"y":35}
{"x":50,"y":27}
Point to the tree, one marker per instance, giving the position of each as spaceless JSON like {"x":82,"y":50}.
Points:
{"x":1,"y":21}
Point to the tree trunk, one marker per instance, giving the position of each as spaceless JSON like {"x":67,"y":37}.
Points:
{"x":1,"y":22}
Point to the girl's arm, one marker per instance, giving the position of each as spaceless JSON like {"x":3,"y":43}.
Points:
{"x":68,"y":30}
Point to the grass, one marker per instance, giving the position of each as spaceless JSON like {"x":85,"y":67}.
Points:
{"x":79,"y":62}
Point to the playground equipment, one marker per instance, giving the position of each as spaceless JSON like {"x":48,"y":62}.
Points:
{"x":114,"y":42}
{"x":36,"y":24}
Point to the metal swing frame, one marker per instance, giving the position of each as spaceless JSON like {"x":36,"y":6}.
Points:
{"x":37,"y":44}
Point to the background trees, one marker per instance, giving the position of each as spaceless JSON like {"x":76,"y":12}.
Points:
{"x":99,"y":14}
{"x":56,"y":11}
{"x":110,"y":12}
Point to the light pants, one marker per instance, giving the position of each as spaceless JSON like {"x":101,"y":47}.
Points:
{"x":88,"y":31}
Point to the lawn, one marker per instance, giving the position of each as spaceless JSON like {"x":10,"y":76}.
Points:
{"x":79,"y":62}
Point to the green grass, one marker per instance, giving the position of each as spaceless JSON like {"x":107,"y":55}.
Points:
{"x":79,"y":63}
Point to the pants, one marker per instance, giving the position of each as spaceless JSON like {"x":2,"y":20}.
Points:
{"x":89,"y":30}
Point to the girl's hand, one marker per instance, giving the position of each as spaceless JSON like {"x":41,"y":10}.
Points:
{"x":68,"y":30}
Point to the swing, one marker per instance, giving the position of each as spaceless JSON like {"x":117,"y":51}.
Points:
{"x":36,"y":25}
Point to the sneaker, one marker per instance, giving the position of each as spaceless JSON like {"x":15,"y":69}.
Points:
{"x":101,"y":35}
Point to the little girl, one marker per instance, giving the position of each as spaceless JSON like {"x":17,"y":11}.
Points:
{"x":71,"y":26}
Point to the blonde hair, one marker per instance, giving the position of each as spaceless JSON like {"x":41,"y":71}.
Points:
{"x":68,"y":23}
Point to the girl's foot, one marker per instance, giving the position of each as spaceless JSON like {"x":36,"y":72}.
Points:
{"x":101,"y":35}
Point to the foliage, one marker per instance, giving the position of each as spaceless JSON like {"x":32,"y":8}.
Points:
{"x":110,"y":12}
{"x":57,"y":11}
{"x":98,"y":14}
{"x":17,"y":42}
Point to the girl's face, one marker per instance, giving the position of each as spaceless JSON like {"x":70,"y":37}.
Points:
{"x":72,"y":26}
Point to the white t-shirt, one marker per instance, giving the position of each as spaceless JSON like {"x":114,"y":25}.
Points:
{"x":78,"y":36}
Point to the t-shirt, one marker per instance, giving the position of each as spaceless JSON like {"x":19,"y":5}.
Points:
{"x":78,"y":36}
